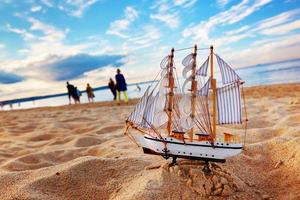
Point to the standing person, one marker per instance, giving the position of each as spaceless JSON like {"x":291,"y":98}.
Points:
{"x":77,"y":95}
{"x":90,"y":93}
{"x":112,"y":87}
{"x":121,"y":86}
{"x":71,"y":91}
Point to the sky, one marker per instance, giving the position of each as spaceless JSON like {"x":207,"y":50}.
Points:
{"x":44,"y":43}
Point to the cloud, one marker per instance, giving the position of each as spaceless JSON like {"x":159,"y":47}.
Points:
{"x":266,"y":51}
{"x":2,"y":46}
{"x":278,"y":19}
{"x":24,"y":33}
{"x":71,"y":67}
{"x":148,"y":36}
{"x":79,"y":6}
{"x":201,"y":31}
{"x":23,"y":51}
{"x":171,"y":19}
{"x":51,"y":34}
{"x":9,"y":78}
{"x":282,"y":29}
{"x":222,"y":3}
{"x":166,"y":13}
{"x":43,"y":41}
{"x":39,"y":37}
{"x":281,"y":24}
{"x":36,"y":8}
{"x":239,"y":30}
{"x":47,"y":3}
{"x":120,"y":26}
{"x":75,"y":8}
{"x":184,"y":3}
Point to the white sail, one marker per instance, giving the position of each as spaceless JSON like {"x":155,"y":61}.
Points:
{"x":164,"y":82}
{"x":185,"y":105}
{"x":165,"y":62}
{"x":160,"y":101}
{"x":228,"y":74}
{"x":187,"y":81}
{"x":202,"y":71}
{"x":188,"y":63}
{"x":187,"y":123}
{"x":148,"y":115}
{"x":136,"y":116}
{"x":204,"y":89}
{"x":153,"y":116}
{"x":164,"y":73}
{"x":229,"y":104}
{"x":185,"y":71}
{"x":188,"y":60}
{"x":160,"y":119}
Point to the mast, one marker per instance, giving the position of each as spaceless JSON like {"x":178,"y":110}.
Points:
{"x":213,"y":87}
{"x":171,"y":93}
{"x":193,"y":91}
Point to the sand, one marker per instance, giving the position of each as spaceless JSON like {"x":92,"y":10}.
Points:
{"x":80,"y":152}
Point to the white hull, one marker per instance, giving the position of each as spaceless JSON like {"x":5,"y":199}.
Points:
{"x":202,"y":150}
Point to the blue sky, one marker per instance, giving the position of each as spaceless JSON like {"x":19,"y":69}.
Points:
{"x":44,"y":43}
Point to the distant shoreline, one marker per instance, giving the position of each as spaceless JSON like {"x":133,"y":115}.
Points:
{"x":248,"y":91}
{"x":35,"y":98}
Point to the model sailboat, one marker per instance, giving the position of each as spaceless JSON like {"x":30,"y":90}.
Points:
{"x":175,"y":121}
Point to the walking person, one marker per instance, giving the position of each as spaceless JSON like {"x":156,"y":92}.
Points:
{"x":112,"y":87}
{"x":77,"y":95}
{"x":121,"y":86}
{"x":90,"y":93}
{"x":71,"y":91}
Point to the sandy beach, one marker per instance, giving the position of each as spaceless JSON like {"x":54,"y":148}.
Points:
{"x":80,"y":152}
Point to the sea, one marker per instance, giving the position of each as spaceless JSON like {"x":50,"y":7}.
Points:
{"x":276,"y":73}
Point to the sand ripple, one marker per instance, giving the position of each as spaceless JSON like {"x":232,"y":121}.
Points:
{"x":80,"y":152}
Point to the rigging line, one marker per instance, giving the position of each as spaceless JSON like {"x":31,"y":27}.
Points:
{"x":206,"y":117}
{"x":187,"y":48}
{"x":204,"y":114}
{"x":202,"y":101}
{"x":184,"y":49}
{"x":178,"y":81}
{"x":207,"y":110}
{"x":132,"y":138}
{"x":201,"y":128}
{"x":155,"y":131}
{"x":176,"y":114}
{"x":205,"y":48}
{"x":201,"y":125}
{"x":200,"y":120}
{"x":205,"y":107}
{"x":246,"y":121}
{"x":159,"y":72}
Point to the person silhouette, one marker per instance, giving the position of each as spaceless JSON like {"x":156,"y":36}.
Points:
{"x":112,"y":87}
{"x":90,"y":93}
{"x":71,"y":91}
{"x":121,"y":86}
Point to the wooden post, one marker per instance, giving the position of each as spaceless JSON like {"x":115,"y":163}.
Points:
{"x":171,"y":92}
{"x":213,"y":87}
{"x":193,"y":92}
